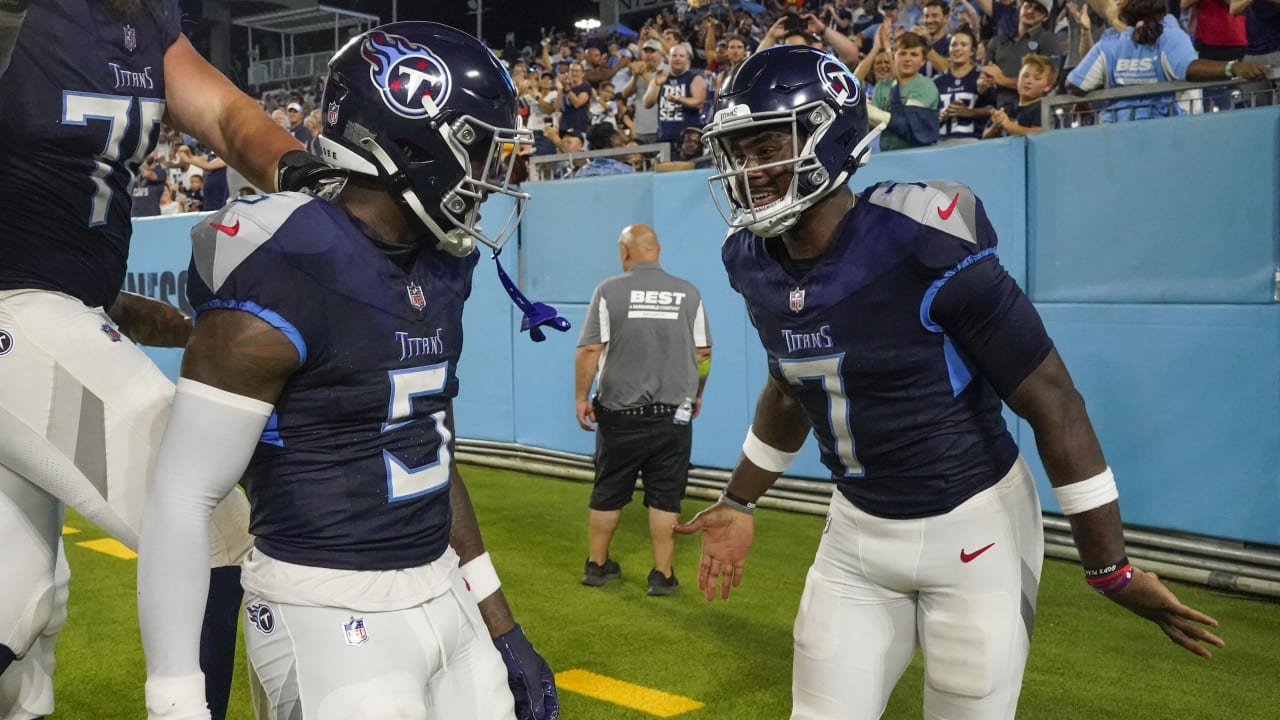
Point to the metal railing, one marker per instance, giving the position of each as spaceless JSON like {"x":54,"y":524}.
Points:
{"x":1223,"y":564}
{"x":289,"y":68}
{"x":542,"y":167}
{"x":1064,"y":111}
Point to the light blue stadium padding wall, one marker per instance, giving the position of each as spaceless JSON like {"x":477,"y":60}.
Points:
{"x":1163,"y":314}
{"x":1182,"y":210}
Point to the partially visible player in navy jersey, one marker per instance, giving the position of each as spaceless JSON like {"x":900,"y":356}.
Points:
{"x":893,"y":332}
{"x":322,"y":369}
{"x":84,"y":86}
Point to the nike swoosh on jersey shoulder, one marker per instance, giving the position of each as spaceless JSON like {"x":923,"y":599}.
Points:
{"x":216,"y":253}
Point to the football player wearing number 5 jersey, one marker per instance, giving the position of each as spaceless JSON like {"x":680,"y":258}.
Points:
{"x":893,"y":333}
{"x":84,"y":86}
{"x":322,"y":370}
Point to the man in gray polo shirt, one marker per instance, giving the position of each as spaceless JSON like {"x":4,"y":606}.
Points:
{"x":643,"y":73}
{"x":1004,"y":56}
{"x":647,"y":342}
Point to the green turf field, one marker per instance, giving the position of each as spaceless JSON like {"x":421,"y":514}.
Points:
{"x":1089,"y":658}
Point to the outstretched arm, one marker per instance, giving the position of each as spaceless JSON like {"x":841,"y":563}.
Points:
{"x":1073,"y":459}
{"x":207,"y":106}
{"x":147,"y":321}
{"x":777,"y":431}
{"x":998,"y":328}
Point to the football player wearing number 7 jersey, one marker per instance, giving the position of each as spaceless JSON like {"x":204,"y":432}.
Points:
{"x":893,"y":333}
{"x":84,"y":85}
{"x":322,"y":369}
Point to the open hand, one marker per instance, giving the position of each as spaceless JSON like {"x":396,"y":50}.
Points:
{"x":1080,"y":14}
{"x":1145,"y":595}
{"x":726,"y":538}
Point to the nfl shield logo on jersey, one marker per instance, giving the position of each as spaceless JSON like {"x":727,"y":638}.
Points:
{"x":417,"y":298}
{"x":356,"y":634}
{"x":331,"y":116}
{"x":130,"y":38}
{"x":797,"y":300}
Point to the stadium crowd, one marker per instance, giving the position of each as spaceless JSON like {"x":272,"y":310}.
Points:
{"x":938,"y":72}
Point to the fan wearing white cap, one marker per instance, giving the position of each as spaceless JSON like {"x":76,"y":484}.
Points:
{"x":294,"y":111}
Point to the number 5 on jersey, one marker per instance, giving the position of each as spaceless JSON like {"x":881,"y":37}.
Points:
{"x":404,"y":482}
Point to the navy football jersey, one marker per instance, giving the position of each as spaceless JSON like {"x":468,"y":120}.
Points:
{"x":352,"y":471}
{"x":963,"y":90}
{"x":80,"y":108}
{"x":906,"y":424}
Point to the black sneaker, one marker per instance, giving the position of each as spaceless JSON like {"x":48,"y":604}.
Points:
{"x":597,"y":575}
{"x":660,"y":584}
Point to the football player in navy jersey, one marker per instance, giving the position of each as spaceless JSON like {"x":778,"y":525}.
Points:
{"x":321,"y":369}
{"x":894,"y":334}
{"x":86,"y":86}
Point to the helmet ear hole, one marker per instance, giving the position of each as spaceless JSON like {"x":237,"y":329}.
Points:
{"x":414,"y":152}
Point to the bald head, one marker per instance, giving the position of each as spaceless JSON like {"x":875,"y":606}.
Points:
{"x":638,"y":243}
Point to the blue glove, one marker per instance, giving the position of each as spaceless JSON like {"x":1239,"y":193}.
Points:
{"x":532,"y":683}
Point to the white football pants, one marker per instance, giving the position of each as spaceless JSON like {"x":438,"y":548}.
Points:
{"x":962,"y":584}
{"x":434,"y":661}
{"x":82,"y":411}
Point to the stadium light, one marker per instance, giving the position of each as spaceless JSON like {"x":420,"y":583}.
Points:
{"x":587,"y":24}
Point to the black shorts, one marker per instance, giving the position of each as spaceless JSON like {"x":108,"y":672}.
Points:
{"x":651,"y":446}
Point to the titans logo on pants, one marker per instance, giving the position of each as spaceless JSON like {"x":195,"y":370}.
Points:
{"x":260,"y":617}
{"x":407,"y":75}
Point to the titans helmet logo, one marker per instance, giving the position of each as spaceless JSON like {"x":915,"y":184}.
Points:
{"x":838,"y":81}
{"x":413,"y":80}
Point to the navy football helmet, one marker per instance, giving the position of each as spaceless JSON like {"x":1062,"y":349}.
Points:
{"x":431,"y":113}
{"x":802,"y":92}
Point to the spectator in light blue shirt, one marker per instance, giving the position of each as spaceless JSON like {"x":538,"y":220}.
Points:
{"x":603,"y":136}
{"x":1152,"y":49}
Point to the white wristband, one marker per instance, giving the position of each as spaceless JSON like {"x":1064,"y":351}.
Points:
{"x":480,"y":576}
{"x":766,"y":457}
{"x":1088,"y":494}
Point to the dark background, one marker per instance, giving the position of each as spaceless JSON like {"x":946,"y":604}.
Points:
{"x":523,"y":17}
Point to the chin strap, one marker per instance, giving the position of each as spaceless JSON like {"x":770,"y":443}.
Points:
{"x":536,"y":314}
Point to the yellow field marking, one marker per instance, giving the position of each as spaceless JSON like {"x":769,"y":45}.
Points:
{"x":636,"y":697}
{"x":107,"y":546}
{"x":68,"y":530}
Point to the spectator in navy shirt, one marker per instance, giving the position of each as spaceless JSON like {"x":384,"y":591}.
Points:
{"x":963,"y":109}
{"x":296,"y":126}
{"x":147,"y":188}
{"x":576,"y":99}
{"x":1022,"y":117}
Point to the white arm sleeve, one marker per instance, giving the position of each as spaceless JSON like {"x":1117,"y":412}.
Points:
{"x":206,"y":447}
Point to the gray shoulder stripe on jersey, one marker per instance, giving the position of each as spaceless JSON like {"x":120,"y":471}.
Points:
{"x":217,"y":254}
{"x":931,"y":206}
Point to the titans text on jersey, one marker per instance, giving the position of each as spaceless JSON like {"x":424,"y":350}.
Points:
{"x":906,"y":425}
{"x":352,"y":471}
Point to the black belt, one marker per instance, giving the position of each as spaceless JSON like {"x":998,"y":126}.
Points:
{"x":651,"y":410}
